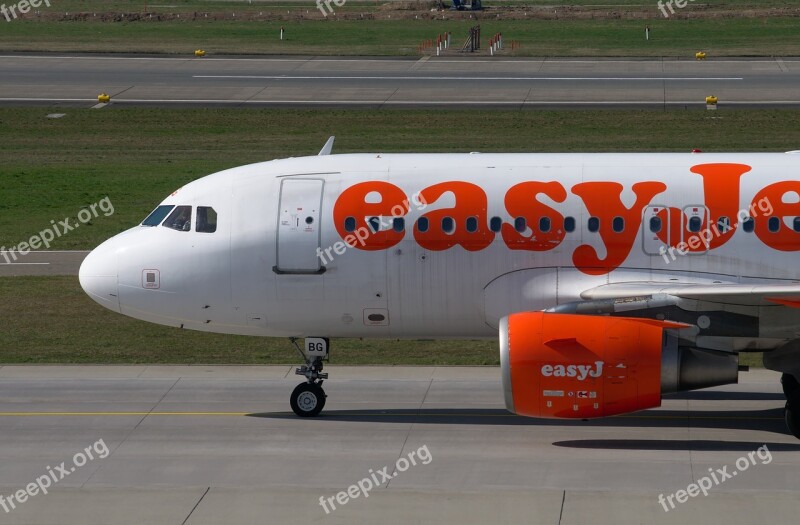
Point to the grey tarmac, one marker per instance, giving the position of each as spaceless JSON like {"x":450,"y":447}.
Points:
{"x":212,"y":444}
{"x":447,"y":81}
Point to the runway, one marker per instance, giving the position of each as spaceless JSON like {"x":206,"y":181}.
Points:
{"x":198,"y":444}
{"x":36,"y":263}
{"x":447,"y":81}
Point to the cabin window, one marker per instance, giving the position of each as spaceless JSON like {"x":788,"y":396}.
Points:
{"x":655,"y":224}
{"x":724,"y":224}
{"x":796,"y":224}
{"x":520,"y":224}
{"x":472,"y":224}
{"x":350,"y":224}
{"x":748,"y":225}
{"x":206,"y":221}
{"x":448,"y":225}
{"x":695,"y":223}
{"x":594,"y":224}
{"x":374,"y":224}
{"x":180,"y":219}
{"x":544,"y":224}
{"x":398,"y":224}
{"x":422,"y":224}
{"x":157,"y":216}
{"x":569,"y":224}
{"x":774,"y":224}
{"x":618,"y":224}
{"x":496,"y":224}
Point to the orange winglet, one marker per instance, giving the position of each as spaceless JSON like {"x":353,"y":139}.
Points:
{"x":791,"y":303}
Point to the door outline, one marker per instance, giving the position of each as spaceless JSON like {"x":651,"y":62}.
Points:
{"x":320,"y":269}
{"x":652,"y":244}
{"x":648,"y":237}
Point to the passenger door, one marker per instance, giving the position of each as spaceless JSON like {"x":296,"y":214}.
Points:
{"x":298,"y":237}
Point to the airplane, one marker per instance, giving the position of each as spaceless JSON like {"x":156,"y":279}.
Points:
{"x":608,"y":279}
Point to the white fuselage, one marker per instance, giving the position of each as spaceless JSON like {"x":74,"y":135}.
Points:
{"x":278,"y":263}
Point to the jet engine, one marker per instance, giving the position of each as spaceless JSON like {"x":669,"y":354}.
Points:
{"x":582,"y":366}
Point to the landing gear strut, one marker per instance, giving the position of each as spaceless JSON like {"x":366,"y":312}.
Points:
{"x":791,"y":388}
{"x":308,"y":399}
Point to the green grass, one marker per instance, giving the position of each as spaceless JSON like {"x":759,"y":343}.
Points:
{"x":181,"y":6}
{"x":49,"y":169}
{"x":719,"y":36}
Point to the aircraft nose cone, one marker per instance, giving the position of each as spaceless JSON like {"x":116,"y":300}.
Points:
{"x":98,"y":276}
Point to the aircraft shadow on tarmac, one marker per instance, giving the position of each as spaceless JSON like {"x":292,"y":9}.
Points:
{"x":710,"y":445}
{"x":764,"y":420}
{"x":712,"y":395}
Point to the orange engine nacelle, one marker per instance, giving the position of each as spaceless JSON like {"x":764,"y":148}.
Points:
{"x":580,"y":366}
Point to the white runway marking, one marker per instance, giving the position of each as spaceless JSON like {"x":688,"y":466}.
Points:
{"x":291,"y":77}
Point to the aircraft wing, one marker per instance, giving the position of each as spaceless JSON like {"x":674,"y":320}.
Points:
{"x":735,"y":294}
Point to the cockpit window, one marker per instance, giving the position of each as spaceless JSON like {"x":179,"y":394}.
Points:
{"x":206,"y":221}
{"x":155,"y":218}
{"x":180,"y":219}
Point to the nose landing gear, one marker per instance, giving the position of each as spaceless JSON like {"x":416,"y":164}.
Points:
{"x":308,"y":399}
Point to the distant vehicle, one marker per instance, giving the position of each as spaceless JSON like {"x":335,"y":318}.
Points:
{"x":609,"y":279}
{"x":475,"y":5}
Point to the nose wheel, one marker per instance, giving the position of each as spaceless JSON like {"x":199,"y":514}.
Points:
{"x":308,"y":399}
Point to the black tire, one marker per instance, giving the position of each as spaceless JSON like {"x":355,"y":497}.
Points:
{"x":790,"y":385}
{"x":308,"y":400}
{"x":792,"y":417}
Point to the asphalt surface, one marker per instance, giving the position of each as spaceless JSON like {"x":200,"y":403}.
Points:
{"x":201,"y":444}
{"x":15,"y":264}
{"x":447,"y":81}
